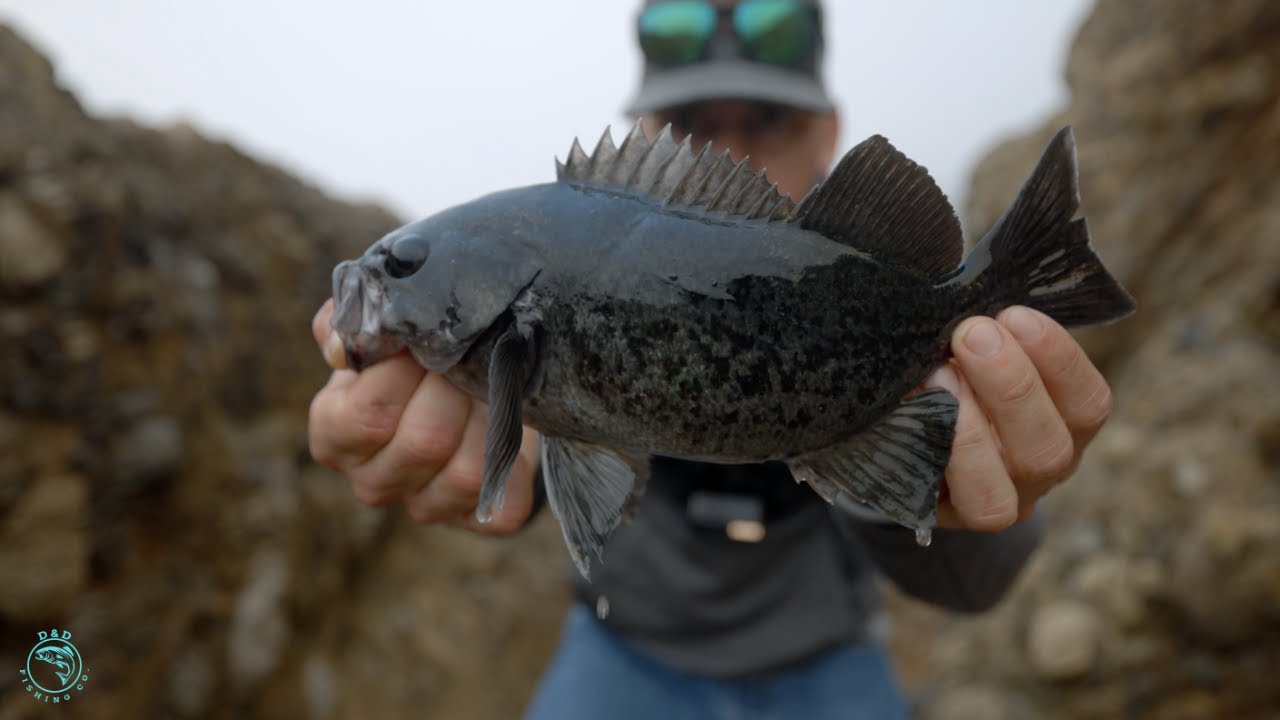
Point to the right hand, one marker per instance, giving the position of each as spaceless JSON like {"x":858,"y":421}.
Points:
{"x":403,"y":435}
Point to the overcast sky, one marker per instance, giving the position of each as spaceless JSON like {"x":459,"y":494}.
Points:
{"x":421,"y":105}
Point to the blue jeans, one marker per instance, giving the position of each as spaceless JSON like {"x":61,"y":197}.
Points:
{"x":595,"y":676}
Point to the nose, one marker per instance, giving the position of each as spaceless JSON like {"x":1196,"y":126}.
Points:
{"x":738,"y":142}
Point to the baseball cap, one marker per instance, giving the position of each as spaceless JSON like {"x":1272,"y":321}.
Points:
{"x":764,"y":50}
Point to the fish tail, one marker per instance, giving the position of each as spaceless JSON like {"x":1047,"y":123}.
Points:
{"x":1038,"y":253}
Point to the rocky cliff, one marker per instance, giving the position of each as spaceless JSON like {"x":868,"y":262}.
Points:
{"x":156,"y":494}
{"x":156,"y":498}
{"x":1158,"y":592}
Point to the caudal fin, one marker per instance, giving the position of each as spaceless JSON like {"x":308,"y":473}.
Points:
{"x":1038,"y":253}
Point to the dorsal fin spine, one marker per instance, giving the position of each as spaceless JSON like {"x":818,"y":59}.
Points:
{"x":703,"y":188}
{"x":578,"y":159}
{"x":686,"y":182}
{"x":627,"y":160}
{"x":639,"y":164}
{"x":764,"y":190}
{"x":660,"y":173}
{"x":682,"y":188}
{"x":784,"y":210}
{"x":741,"y":196}
{"x":604,"y":153}
{"x":675,"y":174}
{"x":718,"y":197}
{"x":767,"y":200}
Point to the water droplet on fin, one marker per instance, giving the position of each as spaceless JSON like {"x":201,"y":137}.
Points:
{"x":924,"y":536}
{"x":602,"y":607}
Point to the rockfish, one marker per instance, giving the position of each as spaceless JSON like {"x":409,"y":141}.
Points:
{"x":662,"y":300}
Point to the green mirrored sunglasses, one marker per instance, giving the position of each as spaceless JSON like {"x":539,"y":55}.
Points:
{"x":777,"y":32}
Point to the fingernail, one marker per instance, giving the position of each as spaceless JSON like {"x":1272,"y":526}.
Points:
{"x":334,"y":353}
{"x":984,"y":338}
{"x":1024,"y":324}
{"x":945,"y":378}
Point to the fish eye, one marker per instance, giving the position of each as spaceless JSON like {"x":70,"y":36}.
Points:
{"x":406,"y":255}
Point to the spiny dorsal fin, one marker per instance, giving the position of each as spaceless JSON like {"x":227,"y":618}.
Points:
{"x":676,"y":174}
{"x":879,"y":201}
{"x":601,"y":160}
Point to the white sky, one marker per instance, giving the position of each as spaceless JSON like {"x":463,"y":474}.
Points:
{"x":426,"y":103}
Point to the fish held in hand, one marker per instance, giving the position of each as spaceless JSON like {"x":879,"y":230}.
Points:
{"x":662,"y":300}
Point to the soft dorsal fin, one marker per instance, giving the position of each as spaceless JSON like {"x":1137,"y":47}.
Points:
{"x":675,"y":174}
{"x":879,"y":201}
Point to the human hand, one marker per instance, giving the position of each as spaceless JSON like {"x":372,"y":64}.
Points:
{"x":403,"y":435}
{"x":1030,"y":401}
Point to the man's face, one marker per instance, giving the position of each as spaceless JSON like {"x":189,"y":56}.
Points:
{"x":794,"y":146}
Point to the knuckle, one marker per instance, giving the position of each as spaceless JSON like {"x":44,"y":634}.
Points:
{"x":1052,"y":462}
{"x":423,"y":513}
{"x":427,"y":448}
{"x":375,"y":422}
{"x":372,"y":495}
{"x":319,"y":327}
{"x":320,"y":322}
{"x":996,"y":517}
{"x":323,"y":453}
{"x":969,"y":436}
{"x":990,"y":505}
{"x":464,"y":478}
{"x":375,"y":489}
{"x":1096,"y":409}
{"x":322,"y":450}
{"x":1071,"y":359}
{"x":996,"y":509}
{"x":1021,"y":389}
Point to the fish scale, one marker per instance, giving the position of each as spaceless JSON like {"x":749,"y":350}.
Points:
{"x":658,"y":300}
{"x":726,"y":360}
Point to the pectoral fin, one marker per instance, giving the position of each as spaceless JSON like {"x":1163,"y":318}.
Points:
{"x":589,"y":488}
{"x":895,"y":466}
{"x":510,"y":367}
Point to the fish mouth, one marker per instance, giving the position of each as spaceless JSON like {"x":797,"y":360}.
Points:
{"x":357,"y":317}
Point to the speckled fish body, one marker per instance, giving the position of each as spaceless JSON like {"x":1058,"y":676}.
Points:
{"x":728,"y":341}
{"x":658,"y":301}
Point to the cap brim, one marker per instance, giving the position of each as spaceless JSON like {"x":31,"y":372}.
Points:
{"x":669,"y":87}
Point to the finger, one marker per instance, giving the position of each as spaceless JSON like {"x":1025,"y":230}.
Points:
{"x":320,"y":417}
{"x":357,"y":414}
{"x":454,"y":494}
{"x":429,"y":432}
{"x":979,"y":494}
{"x":1075,"y":385}
{"x":1038,"y":449}
{"x":320,"y":327}
{"x":519,"y":501}
{"x":327,"y":340}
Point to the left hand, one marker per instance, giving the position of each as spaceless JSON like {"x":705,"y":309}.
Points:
{"x":1030,"y":402}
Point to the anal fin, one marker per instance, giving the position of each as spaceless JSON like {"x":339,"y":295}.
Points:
{"x":895,"y":466}
{"x":589,"y":488}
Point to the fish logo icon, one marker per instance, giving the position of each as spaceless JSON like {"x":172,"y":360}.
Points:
{"x":54,"y":668}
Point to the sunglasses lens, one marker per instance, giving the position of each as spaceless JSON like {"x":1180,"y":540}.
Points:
{"x":675,"y":33}
{"x":778,"y":32}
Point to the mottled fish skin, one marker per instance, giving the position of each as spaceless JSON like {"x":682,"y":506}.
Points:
{"x":732,"y":326}
{"x":797,"y":355}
